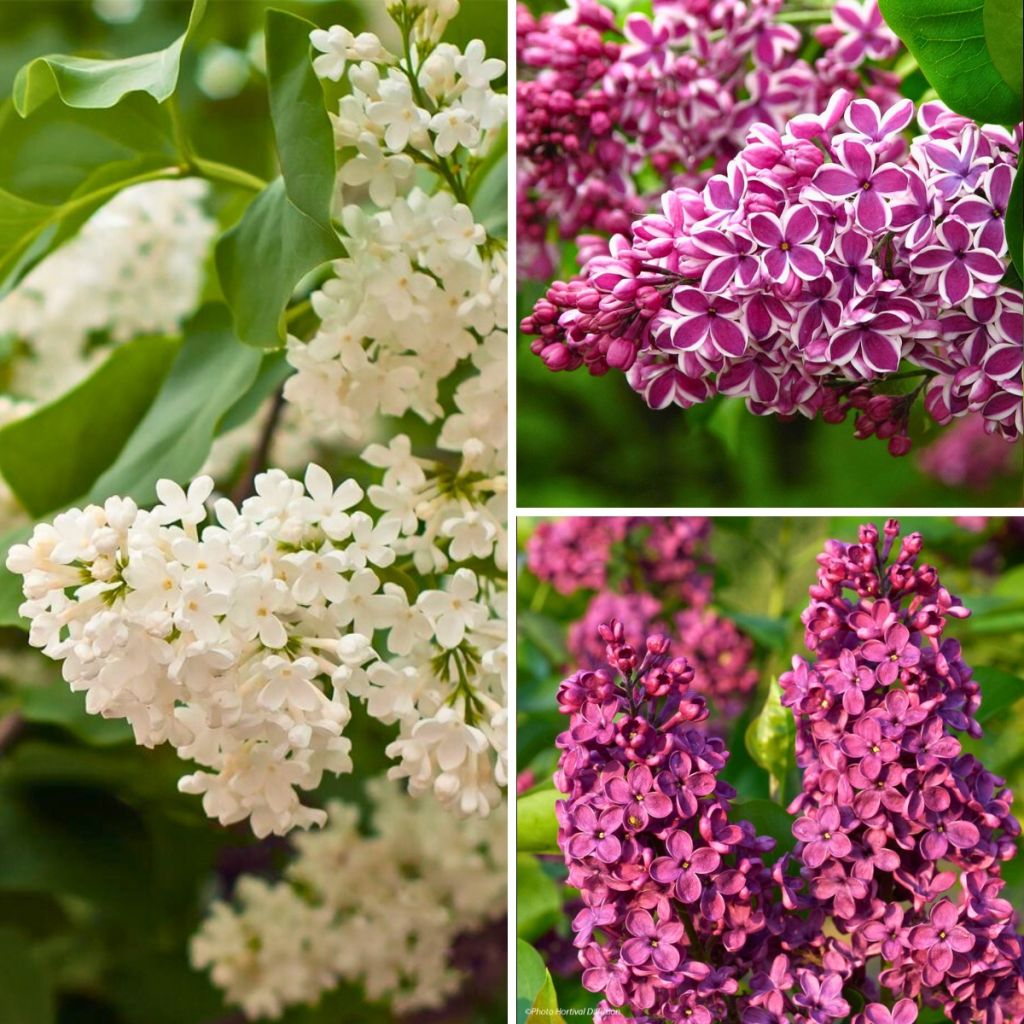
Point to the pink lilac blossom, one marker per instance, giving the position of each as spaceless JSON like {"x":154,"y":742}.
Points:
{"x":901,"y":832}
{"x":669,"y":98}
{"x":681,"y":917}
{"x":827,"y":258}
{"x":668,"y":554}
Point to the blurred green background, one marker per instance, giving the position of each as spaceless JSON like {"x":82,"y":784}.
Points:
{"x":761,"y":562}
{"x":105,"y":869}
{"x":591,"y":441}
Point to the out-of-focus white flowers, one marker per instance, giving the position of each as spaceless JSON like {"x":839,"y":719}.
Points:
{"x":381,"y":910}
{"x":136,"y":267}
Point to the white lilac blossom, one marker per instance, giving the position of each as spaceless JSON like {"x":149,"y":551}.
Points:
{"x":136,"y":267}
{"x":420,"y":299}
{"x":381,"y":910}
{"x":242,"y":639}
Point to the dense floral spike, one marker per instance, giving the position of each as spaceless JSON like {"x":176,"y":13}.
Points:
{"x":823,"y":260}
{"x":894,"y":814}
{"x":382,"y":909}
{"x":681,"y":918}
{"x":242,"y":641}
{"x":605,"y":108}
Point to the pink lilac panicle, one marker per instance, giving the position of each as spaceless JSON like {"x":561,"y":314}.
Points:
{"x":901,"y":833}
{"x":826,"y":258}
{"x":681,"y":919}
{"x":603,"y":106}
{"x":666,"y":554}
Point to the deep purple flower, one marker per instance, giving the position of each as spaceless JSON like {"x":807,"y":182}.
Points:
{"x":857,"y":175}
{"x":959,"y":166}
{"x":904,"y":1011}
{"x":871,"y":334}
{"x":864,"y":33}
{"x":590,"y":918}
{"x":595,"y":834}
{"x":638,"y":798}
{"x":684,"y":865}
{"x":987,"y":213}
{"x":703,"y":319}
{"x":941,"y":937}
{"x":786,"y":239}
{"x":823,"y":836}
{"x":651,"y":942}
{"x":944,"y":833}
{"x":892,"y":653}
{"x":821,"y":997}
{"x":870,"y":747}
{"x":865,"y":117}
{"x":886,"y":934}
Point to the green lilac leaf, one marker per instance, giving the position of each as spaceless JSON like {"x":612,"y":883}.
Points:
{"x":99,"y":84}
{"x":536,"y":824}
{"x":999,"y":692}
{"x":1004,"y":37}
{"x":770,"y":736}
{"x":948,"y":39}
{"x":538,"y":898}
{"x":530,"y":976}
{"x":286,"y":231}
{"x":211,"y":373}
{"x":26,"y":995}
{"x":769,"y":819}
{"x":76,"y":437}
{"x":1015,"y":223}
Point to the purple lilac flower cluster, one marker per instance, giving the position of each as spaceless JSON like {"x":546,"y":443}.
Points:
{"x":670,"y":98}
{"x":901,"y":833}
{"x":682,"y":919}
{"x":666,"y":553}
{"x":719,"y":654}
{"x":828,"y":259}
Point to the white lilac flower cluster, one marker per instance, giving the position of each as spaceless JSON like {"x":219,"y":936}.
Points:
{"x":381,"y":910}
{"x":242,"y":643}
{"x":135,"y":268}
{"x":420,"y":297}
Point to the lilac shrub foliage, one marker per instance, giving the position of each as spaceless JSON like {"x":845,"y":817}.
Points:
{"x":665,"y":587}
{"x":893,"y":889}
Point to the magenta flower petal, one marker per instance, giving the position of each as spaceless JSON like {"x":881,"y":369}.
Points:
{"x":955,"y":283}
{"x":766,"y":229}
{"x":727,"y":337}
{"x":872,"y":213}
{"x":836,"y":181}
{"x":808,"y":263}
{"x":882,"y":354}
